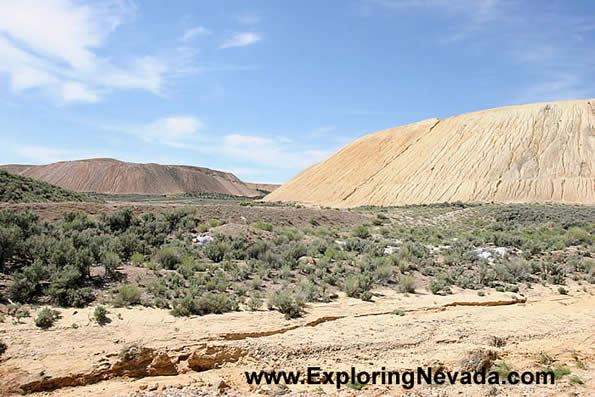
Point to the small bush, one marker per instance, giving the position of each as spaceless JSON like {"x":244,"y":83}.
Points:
{"x":502,"y":368}
{"x":255,"y":302}
{"x":46,"y":318}
{"x":439,"y":285}
{"x":562,"y":291}
{"x":359,"y":286}
{"x":361,"y":232}
{"x":100,"y":315}
{"x":575,"y":380}
{"x":407,"y":284}
{"x":206,"y":304}
{"x":286,"y":304}
{"x":111,"y":261}
{"x":137,"y":259}
{"x":215,"y":251}
{"x":559,"y":372}
{"x":168,"y":257}
{"x":127,"y":295}
{"x":263,"y":226}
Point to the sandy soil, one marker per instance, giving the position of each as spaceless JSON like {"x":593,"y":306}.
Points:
{"x":198,"y":352}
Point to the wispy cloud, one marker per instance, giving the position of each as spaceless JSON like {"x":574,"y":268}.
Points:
{"x":194,"y":32}
{"x":475,"y":14}
{"x":271,"y":152}
{"x":559,"y":87}
{"x":52,"y":45}
{"x":241,"y":39}
{"x":73,"y":91}
{"x":547,"y":41}
{"x":178,"y":131}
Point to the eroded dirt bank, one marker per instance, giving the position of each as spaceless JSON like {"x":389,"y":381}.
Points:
{"x":143,"y":351}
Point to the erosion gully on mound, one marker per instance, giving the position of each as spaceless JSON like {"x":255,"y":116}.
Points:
{"x":147,"y":351}
{"x":538,"y":152}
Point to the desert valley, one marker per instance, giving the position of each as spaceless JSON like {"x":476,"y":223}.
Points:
{"x":463,"y":244}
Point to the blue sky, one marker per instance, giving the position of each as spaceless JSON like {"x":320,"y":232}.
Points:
{"x":266,"y":88}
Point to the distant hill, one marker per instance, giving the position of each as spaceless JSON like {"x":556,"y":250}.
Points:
{"x":118,"y":177}
{"x":263,"y":187}
{"x":21,"y":189}
{"x":542,"y":152}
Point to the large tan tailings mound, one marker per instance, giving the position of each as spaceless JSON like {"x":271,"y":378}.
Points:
{"x":537,"y":152}
{"x":118,"y":177}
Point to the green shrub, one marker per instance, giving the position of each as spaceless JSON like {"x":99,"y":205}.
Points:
{"x":207,"y":304}
{"x":562,"y":291}
{"x":100,"y":315}
{"x":559,"y":372}
{"x":120,"y":221}
{"x":127,"y":295}
{"x":168,"y":257}
{"x":577,"y":235}
{"x":575,"y":380}
{"x":286,"y":304}
{"x":502,"y":368}
{"x":406,"y":284}
{"x":359,"y":286}
{"x":254,"y":302}
{"x":137,"y":259}
{"x":439,"y":285}
{"x":361,"y":232}
{"x":10,"y":240}
{"x":26,"y":284}
{"x":263,"y":226}
{"x":215,"y":251}
{"x":46,"y":318}
{"x":111,"y":261}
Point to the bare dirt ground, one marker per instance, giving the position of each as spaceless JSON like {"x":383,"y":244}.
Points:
{"x":190,"y":356}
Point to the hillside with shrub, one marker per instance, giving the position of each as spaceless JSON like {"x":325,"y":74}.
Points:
{"x":20,"y":189}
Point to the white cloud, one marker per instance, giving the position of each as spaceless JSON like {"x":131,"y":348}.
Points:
{"x":174,"y":128}
{"x":179,"y":131}
{"x":49,"y":44}
{"x":242,"y":39}
{"x":271,"y":152}
{"x":560,"y":87}
{"x":73,"y":92}
{"x":194,"y":32}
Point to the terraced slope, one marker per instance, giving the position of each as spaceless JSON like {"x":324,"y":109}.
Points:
{"x":531,"y":153}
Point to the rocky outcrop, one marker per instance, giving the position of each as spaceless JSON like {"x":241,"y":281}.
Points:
{"x":213,"y":356}
{"x":134,"y":361}
{"x":540,"y":152}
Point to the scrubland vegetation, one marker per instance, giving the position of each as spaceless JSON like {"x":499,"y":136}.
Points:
{"x":156,"y":260}
{"x":20,"y":189}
